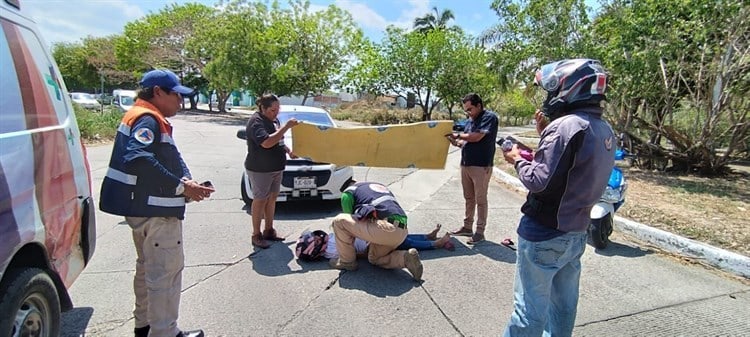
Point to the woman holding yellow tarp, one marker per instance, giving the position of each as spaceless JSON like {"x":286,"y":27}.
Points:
{"x":265,"y":161}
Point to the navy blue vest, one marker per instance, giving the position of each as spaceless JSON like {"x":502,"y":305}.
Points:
{"x":375,"y":197}
{"x":133,"y":185}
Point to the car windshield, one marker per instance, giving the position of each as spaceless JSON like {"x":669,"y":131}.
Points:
{"x":310,"y":117}
{"x":126,"y":100}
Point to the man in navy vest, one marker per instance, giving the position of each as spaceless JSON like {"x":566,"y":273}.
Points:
{"x":371,"y":213}
{"x":148,"y":183}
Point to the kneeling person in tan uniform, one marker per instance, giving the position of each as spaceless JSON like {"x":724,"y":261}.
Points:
{"x":371,"y":213}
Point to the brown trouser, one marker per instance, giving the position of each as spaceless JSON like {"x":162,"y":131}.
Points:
{"x":383,"y":237}
{"x":158,"y":273}
{"x":475,"y":181}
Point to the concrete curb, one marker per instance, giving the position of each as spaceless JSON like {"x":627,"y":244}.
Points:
{"x":720,"y":258}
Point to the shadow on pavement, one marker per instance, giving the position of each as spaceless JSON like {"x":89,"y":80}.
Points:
{"x":487,"y":248}
{"x":377,"y":281}
{"x":618,"y":249}
{"x":304,"y":210}
{"x":74,"y":322}
{"x":275,"y":260}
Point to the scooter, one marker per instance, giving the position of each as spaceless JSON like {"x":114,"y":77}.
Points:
{"x":603,"y":212}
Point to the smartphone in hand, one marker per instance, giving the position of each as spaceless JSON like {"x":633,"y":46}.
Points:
{"x":506,"y":144}
{"x":208,"y":184}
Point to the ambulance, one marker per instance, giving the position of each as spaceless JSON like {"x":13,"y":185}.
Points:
{"x":47,"y":224}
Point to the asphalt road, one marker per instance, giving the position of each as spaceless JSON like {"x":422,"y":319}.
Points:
{"x":231,"y":289}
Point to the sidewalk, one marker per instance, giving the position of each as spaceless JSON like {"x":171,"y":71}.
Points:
{"x":720,"y":258}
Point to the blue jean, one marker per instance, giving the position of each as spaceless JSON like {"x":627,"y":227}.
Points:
{"x":545,"y":292}
{"x":418,"y":241}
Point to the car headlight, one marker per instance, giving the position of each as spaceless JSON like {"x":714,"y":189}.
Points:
{"x":611,"y":195}
{"x":338,"y":168}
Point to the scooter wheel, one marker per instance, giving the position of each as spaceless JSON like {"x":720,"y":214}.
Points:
{"x":600,"y":230}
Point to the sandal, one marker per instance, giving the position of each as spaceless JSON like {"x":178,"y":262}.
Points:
{"x":463,"y":231}
{"x":270,"y":234}
{"x":508,"y":243}
{"x":476,"y":238}
{"x":259,"y":242}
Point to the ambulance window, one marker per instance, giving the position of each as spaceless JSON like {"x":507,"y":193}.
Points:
{"x":32,"y":93}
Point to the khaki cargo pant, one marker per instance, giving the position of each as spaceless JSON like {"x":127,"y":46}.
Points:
{"x":383,"y":237}
{"x":475,"y":181}
{"x":158,"y":273}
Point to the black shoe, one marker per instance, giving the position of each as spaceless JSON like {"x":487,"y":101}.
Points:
{"x":194,"y":333}
{"x":142,"y":332}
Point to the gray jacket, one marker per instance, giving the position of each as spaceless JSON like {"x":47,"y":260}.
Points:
{"x":570,"y":170}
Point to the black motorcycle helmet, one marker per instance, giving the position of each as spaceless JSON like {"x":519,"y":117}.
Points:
{"x":570,"y":84}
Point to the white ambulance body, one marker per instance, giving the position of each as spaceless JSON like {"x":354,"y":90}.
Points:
{"x":47,"y":224}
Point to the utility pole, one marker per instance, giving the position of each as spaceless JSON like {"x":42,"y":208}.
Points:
{"x":101,"y":94}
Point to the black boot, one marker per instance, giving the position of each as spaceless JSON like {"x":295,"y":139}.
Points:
{"x":142,"y":332}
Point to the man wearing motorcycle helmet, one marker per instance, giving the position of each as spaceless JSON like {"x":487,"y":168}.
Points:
{"x":565,"y":178}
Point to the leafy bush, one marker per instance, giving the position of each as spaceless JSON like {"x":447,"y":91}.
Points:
{"x":96,"y":125}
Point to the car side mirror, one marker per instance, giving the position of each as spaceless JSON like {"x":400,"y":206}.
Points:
{"x":242,"y":134}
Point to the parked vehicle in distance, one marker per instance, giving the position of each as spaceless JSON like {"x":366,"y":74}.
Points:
{"x":460,"y":125}
{"x":124,"y":99}
{"x":104,"y":99}
{"x":85,"y":100}
{"x":47,"y":223}
{"x":304,"y":179}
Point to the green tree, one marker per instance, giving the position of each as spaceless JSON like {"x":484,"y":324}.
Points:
{"x":100,"y":54}
{"x":77,"y":72}
{"x":267,"y":49}
{"x":419,"y":63}
{"x":435,"y":20}
{"x":159,"y":40}
{"x":317,"y":42}
{"x":680,"y":79}
{"x":466,"y":72}
{"x":530,"y":33}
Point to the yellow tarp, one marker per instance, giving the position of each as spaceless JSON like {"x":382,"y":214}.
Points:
{"x":416,"y":145}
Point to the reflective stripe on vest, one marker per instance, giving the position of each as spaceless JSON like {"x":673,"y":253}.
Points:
{"x":382,"y":199}
{"x":166,"y":202}
{"x":117,"y":175}
{"x":126,"y":129}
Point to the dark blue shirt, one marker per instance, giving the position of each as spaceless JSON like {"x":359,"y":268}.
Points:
{"x":481,"y":153}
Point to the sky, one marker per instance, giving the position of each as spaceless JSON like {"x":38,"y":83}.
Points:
{"x":72,"y":20}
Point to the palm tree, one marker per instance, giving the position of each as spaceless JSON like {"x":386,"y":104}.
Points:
{"x":432,"y":21}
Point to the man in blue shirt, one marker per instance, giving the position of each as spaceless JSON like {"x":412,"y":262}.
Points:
{"x":477,"y":144}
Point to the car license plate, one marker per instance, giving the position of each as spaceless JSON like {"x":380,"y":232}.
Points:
{"x":304,"y":182}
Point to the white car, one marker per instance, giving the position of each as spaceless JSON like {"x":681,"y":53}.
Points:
{"x":85,"y":100}
{"x":124,"y":99}
{"x":303,"y":178}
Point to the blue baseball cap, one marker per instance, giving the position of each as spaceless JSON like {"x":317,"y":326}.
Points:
{"x":164,"y":79}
